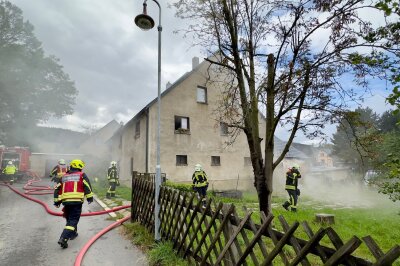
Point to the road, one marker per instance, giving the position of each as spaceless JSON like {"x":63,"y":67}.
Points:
{"x":29,"y":235}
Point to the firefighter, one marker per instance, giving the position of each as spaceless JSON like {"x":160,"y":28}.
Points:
{"x":200,"y":182}
{"x":10,"y":171}
{"x":58,"y":171}
{"x":113,"y":179}
{"x":292,"y":176}
{"x":70,"y":191}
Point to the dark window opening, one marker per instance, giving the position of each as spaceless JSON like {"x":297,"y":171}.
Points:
{"x":215,"y":160}
{"x":182,"y":124}
{"x":181,"y":159}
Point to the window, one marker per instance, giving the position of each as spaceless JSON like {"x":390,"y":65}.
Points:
{"x":215,"y":160}
{"x":182,"y":124}
{"x":247,"y":161}
{"x":137,"y":129}
{"x":223,"y":129}
{"x":201,"y":94}
{"x":181,"y":159}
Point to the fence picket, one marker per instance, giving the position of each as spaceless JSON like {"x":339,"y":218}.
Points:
{"x":295,"y":244}
{"x":204,"y":235}
{"x":233,"y":237}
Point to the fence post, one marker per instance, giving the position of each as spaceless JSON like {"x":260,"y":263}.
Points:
{"x":134,"y":175}
{"x":232,"y":255}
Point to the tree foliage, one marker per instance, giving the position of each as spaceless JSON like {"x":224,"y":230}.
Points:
{"x":33,"y":86}
{"x":357,"y":137}
{"x":300,"y":62}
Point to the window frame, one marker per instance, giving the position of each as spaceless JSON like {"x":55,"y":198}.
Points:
{"x":198,"y":100}
{"x":215,"y":160}
{"x":179,"y":161}
{"x":178,"y":121}
{"x":223,"y":129}
{"x":137,"y":129}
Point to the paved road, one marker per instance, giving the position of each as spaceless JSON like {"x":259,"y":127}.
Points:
{"x":29,"y":235}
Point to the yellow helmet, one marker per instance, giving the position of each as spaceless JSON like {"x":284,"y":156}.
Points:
{"x":77,"y":164}
{"x":296,"y":166}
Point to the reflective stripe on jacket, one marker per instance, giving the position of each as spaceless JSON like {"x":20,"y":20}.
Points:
{"x":73,"y":187}
{"x":292,"y":177}
{"x":59,"y":170}
{"x":200,"y":179}
{"x":10,"y":170}
{"x":112,"y":174}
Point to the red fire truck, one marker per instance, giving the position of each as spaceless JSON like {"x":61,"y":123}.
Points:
{"x":19,"y":156}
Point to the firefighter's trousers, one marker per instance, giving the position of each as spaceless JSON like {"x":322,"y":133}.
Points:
{"x":292,"y":202}
{"x":10,"y":177}
{"x":72,"y":213}
{"x":111,"y":189}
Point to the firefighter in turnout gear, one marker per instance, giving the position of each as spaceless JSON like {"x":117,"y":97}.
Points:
{"x":113,"y":179}
{"x":10,"y":171}
{"x":71,"y":191}
{"x":200,"y":182}
{"x":58,"y":171}
{"x":291,"y":187}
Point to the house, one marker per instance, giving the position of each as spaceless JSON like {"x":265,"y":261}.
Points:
{"x":190,"y":134}
{"x":96,"y":144}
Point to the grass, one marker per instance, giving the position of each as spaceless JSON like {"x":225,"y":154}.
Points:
{"x":159,"y":254}
{"x":382,"y":224}
{"x":101,"y":186}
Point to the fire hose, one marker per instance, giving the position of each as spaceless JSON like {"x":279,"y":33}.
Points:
{"x":33,"y":189}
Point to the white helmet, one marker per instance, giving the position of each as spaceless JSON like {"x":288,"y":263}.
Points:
{"x":113,"y":163}
{"x":61,"y":161}
{"x":10,"y":162}
{"x":198,"y":168}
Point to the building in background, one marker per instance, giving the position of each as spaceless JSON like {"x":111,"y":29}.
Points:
{"x":190,"y":134}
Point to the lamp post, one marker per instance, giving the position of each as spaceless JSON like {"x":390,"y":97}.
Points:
{"x":145,"y":22}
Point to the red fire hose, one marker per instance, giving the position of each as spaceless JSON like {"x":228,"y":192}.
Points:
{"x":85,"y":248}
{"x":83,"y":251}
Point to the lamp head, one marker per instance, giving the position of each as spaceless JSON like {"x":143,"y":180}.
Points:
{"x":144,"y":21}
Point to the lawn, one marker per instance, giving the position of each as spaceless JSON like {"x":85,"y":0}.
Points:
{"x":382,"y":223}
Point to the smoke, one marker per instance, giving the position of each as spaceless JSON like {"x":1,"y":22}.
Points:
{"x":343,"y":191}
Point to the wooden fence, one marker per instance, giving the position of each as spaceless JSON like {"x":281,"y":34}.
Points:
{"x":216,"y":235}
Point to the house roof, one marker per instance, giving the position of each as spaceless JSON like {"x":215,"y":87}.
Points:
{"x":170,"y":88}
{"x":292,"y":153}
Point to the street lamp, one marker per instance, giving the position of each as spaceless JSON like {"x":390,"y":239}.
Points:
{"x":145,"y":22}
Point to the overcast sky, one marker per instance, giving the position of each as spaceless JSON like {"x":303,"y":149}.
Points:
{"x":113,"y":62}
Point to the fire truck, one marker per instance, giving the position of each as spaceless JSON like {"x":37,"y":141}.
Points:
{"x":19,"y":156}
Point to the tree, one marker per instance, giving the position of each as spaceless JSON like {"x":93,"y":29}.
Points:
{"x":33,"y":86}
{"x":293,"y":60}
{"x":357,"y":137}
{"x":389,"y":122}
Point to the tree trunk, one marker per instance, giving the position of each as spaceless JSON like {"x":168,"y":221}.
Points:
{"x":265,"y":204}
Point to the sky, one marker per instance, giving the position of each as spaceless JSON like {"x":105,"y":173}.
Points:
{"x":113,"y":62}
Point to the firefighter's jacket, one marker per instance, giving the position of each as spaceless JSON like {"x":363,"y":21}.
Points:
{"x":199,"y":179}
{"x":10,"y":169}
{"x":73,"y":187}
{"x":112,"y":174}
{"x":292,"y":177}
{"x":59,"y":170}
